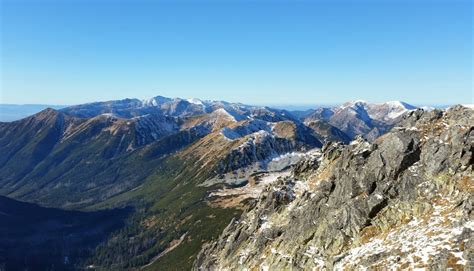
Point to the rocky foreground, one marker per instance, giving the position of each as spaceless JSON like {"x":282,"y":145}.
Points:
{"x":403,"y":201}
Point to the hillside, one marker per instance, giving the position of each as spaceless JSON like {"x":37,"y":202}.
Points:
{"x":403,"y":201}
{"x":153,"y":162}
{"x":185,"y":167}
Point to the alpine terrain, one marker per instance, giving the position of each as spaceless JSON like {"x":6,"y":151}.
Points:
{"x":403,"y":201}
{"x":180,"y":184}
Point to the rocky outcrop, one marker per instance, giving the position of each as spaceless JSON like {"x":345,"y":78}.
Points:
{"x":403,"y":201}
{"x":260,"y":147}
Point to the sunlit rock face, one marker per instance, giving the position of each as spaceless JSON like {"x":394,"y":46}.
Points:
{"x":403,"y":201}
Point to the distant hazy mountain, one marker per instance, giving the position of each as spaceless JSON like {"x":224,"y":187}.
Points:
{"x":11,"y":112}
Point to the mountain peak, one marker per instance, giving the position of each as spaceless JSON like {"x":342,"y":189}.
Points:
{"x":155,"y":101}
{"x":354,"y":104}
{"x":195,"y":101}
{"x":400,"y":104}
{"x":46,"y":114}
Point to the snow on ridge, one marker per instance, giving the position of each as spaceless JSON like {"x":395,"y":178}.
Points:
{"x":400,"y":104}
{"x":224,"y":113}
{"x":359,"y":102}
{"x":427,"y":108}
{"x":471,"y":106}
{"x":108,"y":115}
{"x":140,"y":117}
{"x":149,"y":101}
{"x":396,"y":114}
{"x":354,"y":104}
{"x":395,"y":104}
{"x":154,"y":101}
{"x":254,"y":128}
{"x":195,"y":101}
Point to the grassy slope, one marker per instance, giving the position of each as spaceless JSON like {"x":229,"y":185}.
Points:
{"x":169,"y":205}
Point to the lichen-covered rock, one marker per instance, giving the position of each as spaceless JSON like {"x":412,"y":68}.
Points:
{"x":403,"y":201}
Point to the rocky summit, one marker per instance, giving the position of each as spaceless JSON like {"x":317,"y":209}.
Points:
{"x":403,"y":201}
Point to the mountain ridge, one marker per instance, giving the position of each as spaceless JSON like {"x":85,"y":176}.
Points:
{"x":175,"y":163}
{"x":404,"y":201}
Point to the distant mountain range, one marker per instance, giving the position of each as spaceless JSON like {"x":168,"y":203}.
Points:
{"x":84,"y":151}
{"x":163,"y":158}
{"x":12,"y":112}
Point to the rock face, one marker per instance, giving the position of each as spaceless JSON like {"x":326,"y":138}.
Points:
{"x":403,"y":201}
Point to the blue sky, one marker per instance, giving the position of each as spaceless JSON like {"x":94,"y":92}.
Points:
{"x":258,"y":52}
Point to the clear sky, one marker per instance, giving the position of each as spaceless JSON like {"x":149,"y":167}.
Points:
{"x":257,"y":52}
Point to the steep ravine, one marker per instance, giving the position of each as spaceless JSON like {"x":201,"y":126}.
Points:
{"x":403,"y":201}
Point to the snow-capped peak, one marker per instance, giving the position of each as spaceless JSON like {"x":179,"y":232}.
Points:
{"x":155,"y":101}
{"x":399,"y":104}
{"x":394,"y":104}
{"x":195,"y":101}
{"x":356,"y":103}
{"x":427,"y":108}
{"x":149,"y":102}
{"x":224,"y":113}
{"x":359,"y":102}
{"x":390,"y":110}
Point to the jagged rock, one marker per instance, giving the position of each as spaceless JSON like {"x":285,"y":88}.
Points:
{"x":403,"y":201}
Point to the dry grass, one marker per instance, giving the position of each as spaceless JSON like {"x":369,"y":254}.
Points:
{"x":322,"y":175}
{"x":229,"y":202}
{"x":466,"y":184}
{"x":452,"y":263}
{"x":368,"y":233}
{"x":219,"y":123}
{"x":285,"y":129}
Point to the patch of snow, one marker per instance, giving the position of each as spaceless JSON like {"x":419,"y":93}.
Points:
{"x":107,"y":115}
{"x":428,"y":108}
{"x":249,"y":191}
{"x":354,"y":103}
{"x":418,"y":239}
{"x":254,"y":129}
{"x":195,"y":101}
{"x":396,"y":114}
{"x":471,"y":106}
{"x":266,"y":225}
{"x":224,"y":113}
{"x":149,"y":102}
